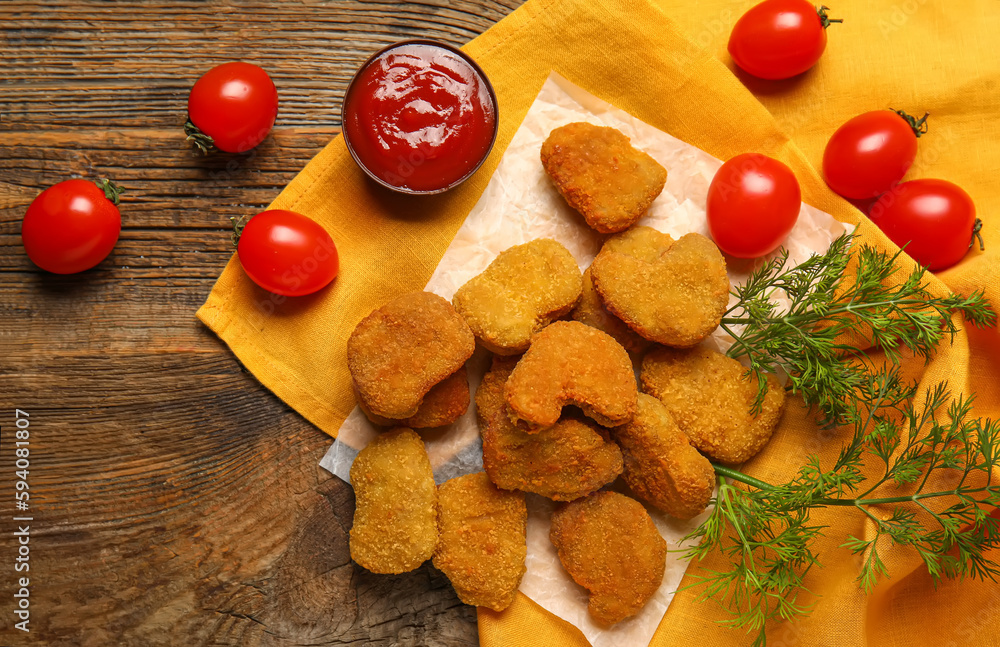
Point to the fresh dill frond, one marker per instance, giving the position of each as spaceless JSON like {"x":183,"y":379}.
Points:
{"x":765,"y":530}
{"x":840,"y":305}
{"x":834,"y":316}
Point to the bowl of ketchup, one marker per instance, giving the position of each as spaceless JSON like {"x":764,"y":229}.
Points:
{"x":420,"y":117}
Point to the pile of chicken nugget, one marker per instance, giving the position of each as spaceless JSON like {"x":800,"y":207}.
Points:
{"x":560,"y":411}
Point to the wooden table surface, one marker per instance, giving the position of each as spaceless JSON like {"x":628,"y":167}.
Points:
{"x":174,"y":500}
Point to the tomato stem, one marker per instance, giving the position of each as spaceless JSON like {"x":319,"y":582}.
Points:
{"x":975,"y":234}
{"x":201,"y":141}
{"x":111,"y":190}
{"x":825,"y":20}
{"x":238,"y":225}
{"x":919,"y":126}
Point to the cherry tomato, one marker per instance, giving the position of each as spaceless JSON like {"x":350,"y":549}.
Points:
{"x":779,"y":39}
{"x":72,"y":226}
{"x":753,"y":202}
{"x":934,"y":219}
{"x":287,"y":253}
{"x":871,"y":153}
{"x":232,"y":107}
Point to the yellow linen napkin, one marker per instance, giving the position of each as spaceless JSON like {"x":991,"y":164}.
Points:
{"x":635,"y":55}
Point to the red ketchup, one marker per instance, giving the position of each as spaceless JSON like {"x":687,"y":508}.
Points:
{"x":420,"y":117}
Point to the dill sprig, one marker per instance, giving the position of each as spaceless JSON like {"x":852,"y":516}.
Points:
{"x":833,"y":316}
{"x":839,"y":308}
{"x":766,"y":532}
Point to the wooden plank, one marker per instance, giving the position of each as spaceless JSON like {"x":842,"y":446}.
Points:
{"x":166,"y":182}
{"x":132,"y":64}
{"x":176,"y":500}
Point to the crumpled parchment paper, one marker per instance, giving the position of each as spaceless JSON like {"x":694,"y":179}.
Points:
{"x":518,"y":205}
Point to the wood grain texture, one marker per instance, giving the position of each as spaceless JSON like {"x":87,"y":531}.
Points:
{"x":175,"y":500}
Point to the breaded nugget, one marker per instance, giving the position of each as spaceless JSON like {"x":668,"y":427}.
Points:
{"x":609,"y":545}
{"x":643,"y":243}
{"x":482,"y":543}
{"x":401,"y":350}
{"x":524,"y":289}
{"x":591,"y":311}
{"x":661,"y":466}
{"x":601,"y":175}
{"x":709,"y":396}
{"x":444,"y":404}
{"x":395,"y":519}
{"x":571,"y":363}
{"x":571,"y":459}
{"x":676,"y":297}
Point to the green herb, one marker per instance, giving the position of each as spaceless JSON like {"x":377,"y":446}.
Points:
{"x":764,"y":529}
{"x":808,"y":341}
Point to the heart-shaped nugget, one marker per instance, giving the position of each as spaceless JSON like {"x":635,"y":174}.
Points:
{"x":610,"y":546}
{"x":571,"y":363}
{"x":674,"y":296}
{"x":524,"y":289}
{"x":710,"y":397}
{"x":400,"y":351}
{"x":601,"y":175}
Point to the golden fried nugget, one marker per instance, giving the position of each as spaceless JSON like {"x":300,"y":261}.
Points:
{"x":661,"y":466}
{"x":571,"y":363}
{"x":400,"y":351}
{"x":524,"y":289}
{"x":601,"y":175}
{"x":591,"y":311}
{"x":444,"y":404}
{"x":643,"y":243}
{"x":571,"y":459}
{"x":395,"y":520}
{"x":482,"y":543}
{"x":676,"y":298}
{"x":709,"y":396}
{"x":609,"y":545}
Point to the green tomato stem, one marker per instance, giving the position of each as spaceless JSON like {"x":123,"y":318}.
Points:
{"x":111,"y":190}
{"x":919,"y":126}
{"x":201,"y":141}
{"x":238,"y":225}
{"x":976,"y":228}
{"x":825,"y":20}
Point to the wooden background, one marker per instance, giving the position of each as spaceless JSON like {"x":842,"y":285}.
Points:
{"x":176,"y":501}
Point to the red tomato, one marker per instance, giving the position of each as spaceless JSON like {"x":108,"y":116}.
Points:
{"x":232,"y":107}
{"x":934,"y":219}
{"x":779,"y":39}
{"x":871,"y":153}
{"x":287,"y":253}
{"x":753,"y":202}
{"x":72,"y":226}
